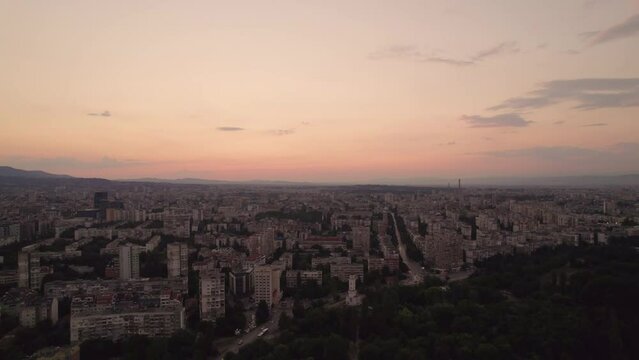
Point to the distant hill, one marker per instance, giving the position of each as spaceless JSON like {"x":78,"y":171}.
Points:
{"x":196,"y":181}
{"x":7,"y":171}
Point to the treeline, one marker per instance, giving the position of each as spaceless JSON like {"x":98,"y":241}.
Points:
{"x":562,"y":303}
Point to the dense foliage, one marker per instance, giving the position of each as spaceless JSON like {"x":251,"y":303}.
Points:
{"x":562,"y":303}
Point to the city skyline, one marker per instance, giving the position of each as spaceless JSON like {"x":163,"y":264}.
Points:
{"x":320,"y":92}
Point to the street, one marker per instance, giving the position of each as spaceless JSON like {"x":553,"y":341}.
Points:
{"x":416,"y":272}
{"x":231,"y":344}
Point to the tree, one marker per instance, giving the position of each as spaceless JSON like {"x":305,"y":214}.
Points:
{"x":298,"y":309}
{"x":262,"y":312}
{"x":285,"y":321}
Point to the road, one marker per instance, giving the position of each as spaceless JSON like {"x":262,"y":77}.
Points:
{"x":416,"y":272}
{"x":227,"y":345}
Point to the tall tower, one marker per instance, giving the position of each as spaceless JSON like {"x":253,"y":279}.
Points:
{"x":352,"y":298}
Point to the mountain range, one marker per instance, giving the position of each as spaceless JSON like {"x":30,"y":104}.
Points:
{"x":564,"y":181}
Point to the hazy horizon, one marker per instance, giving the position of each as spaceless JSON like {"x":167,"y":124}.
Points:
{"x":326,"y":91}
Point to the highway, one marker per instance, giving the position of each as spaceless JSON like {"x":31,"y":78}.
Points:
{"x":416,"y":272}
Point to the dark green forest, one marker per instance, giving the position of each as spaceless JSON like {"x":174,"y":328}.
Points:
{"x":561,"y":303}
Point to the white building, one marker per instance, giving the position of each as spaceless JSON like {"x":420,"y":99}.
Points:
{"x":267,"y":284}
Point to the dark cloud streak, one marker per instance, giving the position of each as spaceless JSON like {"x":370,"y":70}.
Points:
{"x":501,"y":120}
{"x":229,"y":128}
{"x":625,"y":29}
{"x":589,"y":94}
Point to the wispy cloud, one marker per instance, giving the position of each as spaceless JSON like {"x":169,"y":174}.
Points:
{"x":589,"y":94}
{"x":559,"y":122}
{"x":105,"y":113}
{"x":503,"y":48}
{"x":229,"y":128}
{"x":595,"y":125}
{"x":622,"y":152}
{"x":547,"y":152}
{"x":69,"y":163}
{"x":281,"y":132}
{"x":502,"y":120}
{"x":625,"y":29}
{"x":409,"y":52}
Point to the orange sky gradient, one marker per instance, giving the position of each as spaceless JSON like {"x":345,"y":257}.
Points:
{"x":340,"y":91}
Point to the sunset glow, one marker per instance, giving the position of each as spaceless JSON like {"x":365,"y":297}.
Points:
{"x":352,"y":91}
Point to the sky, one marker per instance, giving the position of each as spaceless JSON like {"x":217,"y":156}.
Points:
{"x":346,"y":91}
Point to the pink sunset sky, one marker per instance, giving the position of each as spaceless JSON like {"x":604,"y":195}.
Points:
{"x":320,"y":90}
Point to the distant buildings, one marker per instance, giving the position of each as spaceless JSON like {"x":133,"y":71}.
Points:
{"x":129,"y":262}
{"x":344,"y":271}
{"x":302,"y":277}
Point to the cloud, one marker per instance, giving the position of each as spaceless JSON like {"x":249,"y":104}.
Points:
{"x":503,"y":48}
{"x":502,"y":120}
{"x":105,"y":113}
{"x":547,"y":152}
{"x":409,"y":52}
{"x":595,"y":125}
{"x":282,"y":132}
{"x":622,"y":152}
{"x":448,"y":61}
{"x":450,"y":143}
{"x":229,"y":128}
{"x":625,"y":29}
{"x":589,"y":94}
{"x":69,"y":163}
{"x":559,"y":122}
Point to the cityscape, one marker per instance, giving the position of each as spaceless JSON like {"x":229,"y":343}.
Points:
{"x":88,"y":260}
{"x":338,"y":180}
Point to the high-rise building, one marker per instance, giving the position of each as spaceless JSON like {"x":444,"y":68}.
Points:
{"x":29,"y":270}
{"x":361,"y":239}
{"x":212,"y":295}
{"x":100,"y":199}
{"x":177,"y":260}
{"x":129,"y":262}
{"x":267,"y":284}
{"x":241,"y":281}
